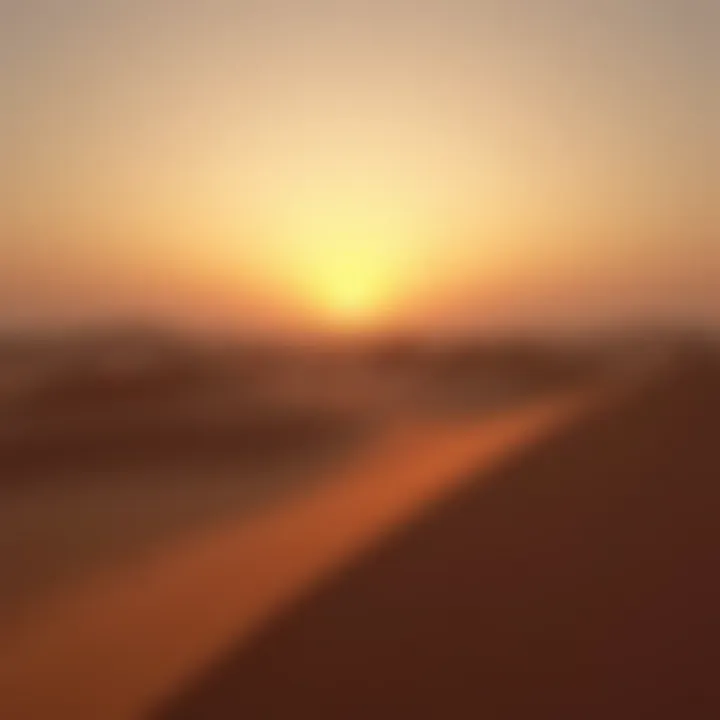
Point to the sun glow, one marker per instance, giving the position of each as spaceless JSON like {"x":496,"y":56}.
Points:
{"x":348,"y":259}
{"x":350,"y":291}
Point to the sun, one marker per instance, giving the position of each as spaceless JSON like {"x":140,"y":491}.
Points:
{"x":350,"y":297}
{"x":347,"y":262}
{"x":350,"y":290}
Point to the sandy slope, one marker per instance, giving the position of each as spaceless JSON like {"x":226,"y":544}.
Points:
{"x":581,"y":584}
{"x":113,"y":648}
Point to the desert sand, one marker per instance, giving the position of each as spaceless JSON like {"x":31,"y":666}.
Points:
{"x":123,"y":642}
{"x":579,"y":580}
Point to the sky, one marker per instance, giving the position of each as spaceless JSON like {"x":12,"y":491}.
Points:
{"x":293,"y":164}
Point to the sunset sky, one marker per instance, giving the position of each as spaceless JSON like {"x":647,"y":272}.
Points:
{"x":294,"y":164}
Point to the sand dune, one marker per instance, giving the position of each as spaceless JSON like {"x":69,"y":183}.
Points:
{"x":582,"y":583}
{"x":115,"y":647}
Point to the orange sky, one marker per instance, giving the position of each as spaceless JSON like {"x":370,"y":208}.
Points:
{"x":308,"y":163}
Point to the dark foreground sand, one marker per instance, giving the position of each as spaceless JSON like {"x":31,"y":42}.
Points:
{"x":583,"y":583}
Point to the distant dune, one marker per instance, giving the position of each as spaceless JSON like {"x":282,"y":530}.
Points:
{"x":112,"y":445}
